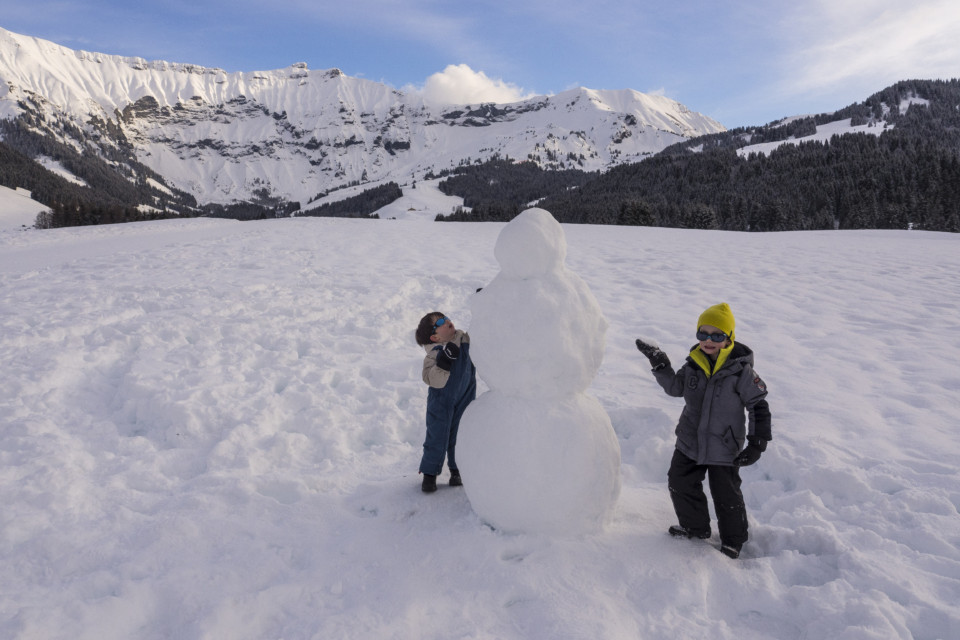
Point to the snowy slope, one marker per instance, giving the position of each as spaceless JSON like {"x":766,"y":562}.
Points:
{"x":17,"y":210}
{"x":297,"y":132}
{"x":826,"y":131}
{"x":823,"y":134}
{"x":211,"y":429}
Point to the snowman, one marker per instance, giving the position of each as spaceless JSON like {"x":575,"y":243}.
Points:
{"x":540,"y":454}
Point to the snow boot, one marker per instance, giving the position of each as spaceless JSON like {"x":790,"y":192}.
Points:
{"x":731,"y":550}
{"x":429,"y":483}
{"x":678,"y":531}
{"x":455,"y":479}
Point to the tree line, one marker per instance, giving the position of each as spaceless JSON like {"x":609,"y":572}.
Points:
{"x":500,"y":188}
{"x":905,"y":176}
{"x":362,"y":205}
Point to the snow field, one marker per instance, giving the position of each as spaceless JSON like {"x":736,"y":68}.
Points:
{"x":211,"y":429}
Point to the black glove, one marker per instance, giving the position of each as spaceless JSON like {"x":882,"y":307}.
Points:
{"x":752,"y":453}
{"x":658,"y":359}
{"x":447,"y":355}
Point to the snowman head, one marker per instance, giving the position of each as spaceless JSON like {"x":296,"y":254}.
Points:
{"x":531,"y":244}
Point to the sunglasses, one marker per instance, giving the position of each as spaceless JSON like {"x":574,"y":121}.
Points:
{"x":714,"y":337}
{"x":439,"y":323}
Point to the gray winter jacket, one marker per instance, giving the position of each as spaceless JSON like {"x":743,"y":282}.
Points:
{"x":713,"y":425}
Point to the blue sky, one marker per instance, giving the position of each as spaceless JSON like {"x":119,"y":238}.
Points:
{"x":739,"y":62}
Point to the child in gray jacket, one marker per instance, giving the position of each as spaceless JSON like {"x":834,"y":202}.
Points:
{"x":720,"y":390}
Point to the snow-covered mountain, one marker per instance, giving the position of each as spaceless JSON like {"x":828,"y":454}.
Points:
{"x":295,"y":132}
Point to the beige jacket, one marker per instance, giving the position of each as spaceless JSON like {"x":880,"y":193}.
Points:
{"x":432,"y":374}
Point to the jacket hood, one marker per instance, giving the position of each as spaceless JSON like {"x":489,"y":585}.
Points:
{"x":737,"y":351}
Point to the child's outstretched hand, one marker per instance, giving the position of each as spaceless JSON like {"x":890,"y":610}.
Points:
{"x":658,"y":359}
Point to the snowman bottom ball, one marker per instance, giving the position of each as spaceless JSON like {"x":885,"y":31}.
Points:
{"x":531,"y":466}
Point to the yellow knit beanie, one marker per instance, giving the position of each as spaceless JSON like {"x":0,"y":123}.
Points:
{"x":719,"y":316}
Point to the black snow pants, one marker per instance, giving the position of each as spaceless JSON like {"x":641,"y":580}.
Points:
{"x":685,"y":480}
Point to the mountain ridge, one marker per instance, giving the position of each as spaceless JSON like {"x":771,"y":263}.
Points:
{"x":288,"y":134}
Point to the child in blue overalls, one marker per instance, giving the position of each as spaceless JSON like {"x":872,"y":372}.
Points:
{"x":449,"y":371}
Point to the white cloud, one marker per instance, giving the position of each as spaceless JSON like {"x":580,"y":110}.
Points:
{"x":875,"y":43}
{"x":459,"y":84}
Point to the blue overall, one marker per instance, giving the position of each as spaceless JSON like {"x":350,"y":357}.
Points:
{"x":444,"y":409}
